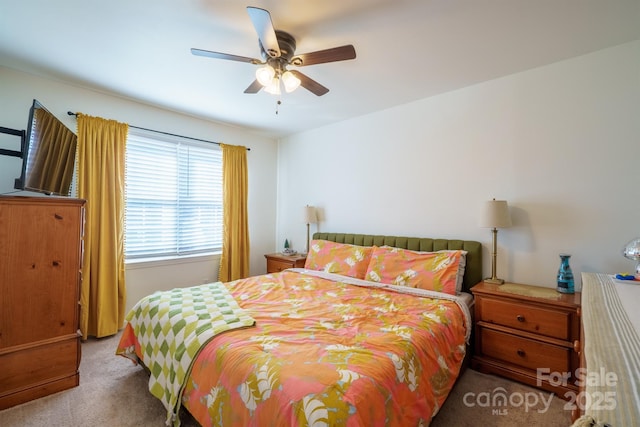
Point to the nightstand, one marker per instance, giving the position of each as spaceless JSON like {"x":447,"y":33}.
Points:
{"x":278,"y":262}
{"x":529,"y":334}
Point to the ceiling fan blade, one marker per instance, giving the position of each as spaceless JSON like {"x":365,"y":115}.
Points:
{"x":261,"y":20}
{"x":310,"y":84}
{"x":218,"y":55}
{"x":253,"y":87}
{"x":341,"y":53}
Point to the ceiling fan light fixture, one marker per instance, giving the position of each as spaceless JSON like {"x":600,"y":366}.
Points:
{"x":277,"y":50}
{"x":290,"y":81}
{"x":274,"y":87}
{"x":265,"y":75}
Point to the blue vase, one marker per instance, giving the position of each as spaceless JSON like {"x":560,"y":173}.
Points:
{"x":565,"y":276}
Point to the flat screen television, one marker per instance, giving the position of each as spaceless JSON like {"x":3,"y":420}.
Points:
{"x":48,"y":155}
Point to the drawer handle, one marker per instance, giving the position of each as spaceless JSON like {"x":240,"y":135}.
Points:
{"x":520,"y":352}
{"x":520,"y":318}
{"x":576,"y":346}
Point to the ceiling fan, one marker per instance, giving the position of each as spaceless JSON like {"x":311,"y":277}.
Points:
{"x":277,"y":49}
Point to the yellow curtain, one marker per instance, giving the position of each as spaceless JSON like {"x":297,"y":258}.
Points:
{"x":101,"y":160}
{"x":234,"y":263}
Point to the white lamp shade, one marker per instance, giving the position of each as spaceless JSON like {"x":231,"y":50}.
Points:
{"x":495,"y":214}
{"x":290,"y":81}
{"x":265,"y":75}
{"x":310,"y":215}
{"x":274,"y":87}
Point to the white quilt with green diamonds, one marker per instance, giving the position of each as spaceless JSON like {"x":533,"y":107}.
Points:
{"x":173,"y":326}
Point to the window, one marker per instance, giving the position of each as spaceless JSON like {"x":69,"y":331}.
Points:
{"x":173,"y":197}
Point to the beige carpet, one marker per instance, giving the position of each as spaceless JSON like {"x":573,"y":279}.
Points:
{"x":113,"y":392}
{"x":470,"y":404}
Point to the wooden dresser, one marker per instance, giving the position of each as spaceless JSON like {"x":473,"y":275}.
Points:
{"x":40,"y":262}
{"x":529,"y":334}
{"x":278,"y":262}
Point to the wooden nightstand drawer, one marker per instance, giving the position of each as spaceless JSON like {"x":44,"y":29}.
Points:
{"x":522,"y":328}
{"x":524,"y":317}
{"x":275,"y":266}
{"x":528,"y":353}
{"x":279,"y":262}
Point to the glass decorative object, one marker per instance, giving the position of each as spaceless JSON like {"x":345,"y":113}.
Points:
{"x":632,"y":251}
{"x":565,"y":276}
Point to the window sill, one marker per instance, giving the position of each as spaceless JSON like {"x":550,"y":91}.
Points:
{"x":135,"y":263}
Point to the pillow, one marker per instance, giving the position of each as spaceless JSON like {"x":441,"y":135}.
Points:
{"x":440,"y":271}
{"x":461,"y":266}
{"x":339,"y":258}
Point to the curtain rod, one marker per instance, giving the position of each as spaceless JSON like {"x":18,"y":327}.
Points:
{"x":165,"y":133}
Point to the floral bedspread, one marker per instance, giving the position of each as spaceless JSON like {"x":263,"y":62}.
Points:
{"x":325,"y":352}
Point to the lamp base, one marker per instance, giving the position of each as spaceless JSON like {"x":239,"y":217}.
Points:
{"x":494,"y":281}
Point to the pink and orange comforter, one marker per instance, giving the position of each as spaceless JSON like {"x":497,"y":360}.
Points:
{"x":325,"y":352}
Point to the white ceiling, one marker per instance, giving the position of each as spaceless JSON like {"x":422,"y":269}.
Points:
{"x":406,"y":49}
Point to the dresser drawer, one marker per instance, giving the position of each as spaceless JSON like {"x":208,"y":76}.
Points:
{"x":526,"y":317}
{"x":37,"y":365}
{"x":524,"y":352}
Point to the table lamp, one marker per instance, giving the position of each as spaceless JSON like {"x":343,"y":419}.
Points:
{"x":494,"y":215}
{"x":310,"y":217}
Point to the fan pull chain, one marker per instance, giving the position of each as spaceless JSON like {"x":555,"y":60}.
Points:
{"x":278,"y":105}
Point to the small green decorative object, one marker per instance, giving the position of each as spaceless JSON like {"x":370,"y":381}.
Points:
{"x":287,"y":249}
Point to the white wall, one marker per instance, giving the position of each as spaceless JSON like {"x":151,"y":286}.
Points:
{"x":18,"y":90}
{"x":560,"y":143}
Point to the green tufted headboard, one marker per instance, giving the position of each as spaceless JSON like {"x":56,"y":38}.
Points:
{"x":473,"y":269}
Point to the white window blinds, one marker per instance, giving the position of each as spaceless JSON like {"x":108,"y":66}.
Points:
{"x":173,"y":197}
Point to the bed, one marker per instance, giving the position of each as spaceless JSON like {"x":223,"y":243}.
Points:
{"x":337,"y":343}
{"x":610,"y":380}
